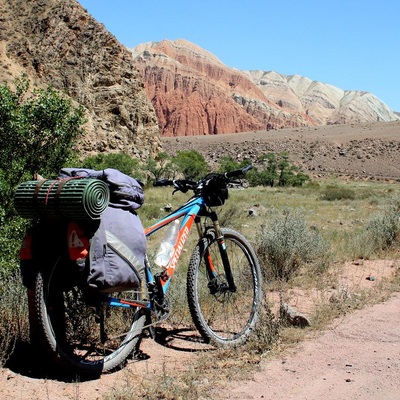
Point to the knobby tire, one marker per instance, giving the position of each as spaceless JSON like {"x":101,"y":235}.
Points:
{"x":222,"y":317}
{"x":69,"y":328}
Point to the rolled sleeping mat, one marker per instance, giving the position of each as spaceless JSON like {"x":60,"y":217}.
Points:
{"x":69,"y":198}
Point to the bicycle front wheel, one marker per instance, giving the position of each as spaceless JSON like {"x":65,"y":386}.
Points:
{"x":224,"y":317}
{"x":80,"y":330}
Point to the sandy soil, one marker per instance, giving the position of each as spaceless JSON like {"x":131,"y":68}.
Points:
{"x":357,"y":357}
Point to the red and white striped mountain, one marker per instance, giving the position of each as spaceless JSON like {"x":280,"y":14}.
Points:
{"x":194,"y":93}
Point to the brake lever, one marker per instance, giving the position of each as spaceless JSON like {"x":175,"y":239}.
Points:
{"x":180,"y":188}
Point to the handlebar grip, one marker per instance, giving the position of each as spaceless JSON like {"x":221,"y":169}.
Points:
{"x":239,"y":172}
{"x":163,"y":182}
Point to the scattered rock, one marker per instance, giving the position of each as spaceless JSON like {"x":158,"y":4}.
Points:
{"x":293,"y":317}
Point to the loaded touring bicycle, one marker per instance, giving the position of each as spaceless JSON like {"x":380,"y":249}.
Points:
{"x":94,"y":289}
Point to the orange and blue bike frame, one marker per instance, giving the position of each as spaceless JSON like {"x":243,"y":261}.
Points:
{"x":188,"y":212}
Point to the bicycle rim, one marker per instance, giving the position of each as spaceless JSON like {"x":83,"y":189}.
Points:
{"x":81,"y":331}
{"x":223,"y":317}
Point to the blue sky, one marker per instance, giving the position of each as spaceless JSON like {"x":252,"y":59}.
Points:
{"x":351,"y":44}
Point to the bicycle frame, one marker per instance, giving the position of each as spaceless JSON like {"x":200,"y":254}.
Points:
{"x":189,"y":211}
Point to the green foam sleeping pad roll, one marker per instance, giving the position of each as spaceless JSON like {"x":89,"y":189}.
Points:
{"x":62,"y":199}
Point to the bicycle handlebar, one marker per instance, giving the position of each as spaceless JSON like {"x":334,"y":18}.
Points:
{"x":238,"y":172}
{"x":184,"y":185}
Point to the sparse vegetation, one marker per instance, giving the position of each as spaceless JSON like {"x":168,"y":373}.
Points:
{"x":295,"y":216}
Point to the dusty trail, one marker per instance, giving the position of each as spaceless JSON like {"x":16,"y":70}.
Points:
{"x":357,"y":358}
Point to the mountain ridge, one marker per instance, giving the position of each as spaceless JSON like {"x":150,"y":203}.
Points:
{"x":242,"y":100}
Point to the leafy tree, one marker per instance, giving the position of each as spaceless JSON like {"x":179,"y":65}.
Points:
{"x":37,"y":135}
{"x":271,"y":168}
{"x":191,"y":164}
{"x":286,"y":170}
{"x":121,"y":161}
{"x":161,"y":167}
{"x":228,"y":164}
{"x":299,"y":179}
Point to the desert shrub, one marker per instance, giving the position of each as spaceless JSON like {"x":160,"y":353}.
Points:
{"x":267,"y":332}
{"x":229,"y":214}
{"x":287,"y":243}
{"x":332,"y":193}
{"x":383,"y":229}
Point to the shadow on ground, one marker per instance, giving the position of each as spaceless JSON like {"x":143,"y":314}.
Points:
{"x":30,"y":361}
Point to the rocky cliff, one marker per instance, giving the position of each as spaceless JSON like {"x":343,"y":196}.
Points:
{"x":194,"y":93}
{"x":56,"y":42}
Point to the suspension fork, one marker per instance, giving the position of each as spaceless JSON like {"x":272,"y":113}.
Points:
{"x":222,"y":249}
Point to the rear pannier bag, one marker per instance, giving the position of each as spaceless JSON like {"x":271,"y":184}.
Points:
{"x":117,"y":251}
{"x":110,"y":253}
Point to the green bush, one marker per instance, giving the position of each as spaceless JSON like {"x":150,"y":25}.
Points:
{"x":38,"y":132}
{"x":37,"y":135}
{"x":120,"y":161}
{"x":287,"y":243}
{"x":333,"y":193}
{"x":11,"y":234}
{"x":191,"y":164}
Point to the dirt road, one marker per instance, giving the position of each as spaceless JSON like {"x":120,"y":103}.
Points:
{"x":357,"y":358}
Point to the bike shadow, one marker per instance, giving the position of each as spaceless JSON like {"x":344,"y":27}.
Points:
{"x":27,"y":360}
{"x":181,"y":339}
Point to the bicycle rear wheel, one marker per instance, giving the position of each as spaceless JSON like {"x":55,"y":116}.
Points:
{"x":223,"y":317}
{"x":79,"y":329}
